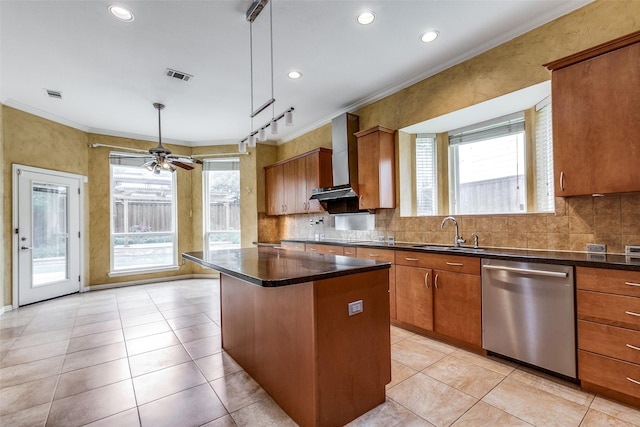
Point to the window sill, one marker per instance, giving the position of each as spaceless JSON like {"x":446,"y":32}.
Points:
{"x":142,"y":271}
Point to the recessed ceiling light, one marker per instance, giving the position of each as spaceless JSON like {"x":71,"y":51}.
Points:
{"x":429,"y":36}
{"x":294,"y":74}
{"x":121,"y":13}
{"x":366,"y":18}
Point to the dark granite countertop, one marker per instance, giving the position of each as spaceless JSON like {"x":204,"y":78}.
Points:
{"x":270,"y":267}
{"x":614,"y":261}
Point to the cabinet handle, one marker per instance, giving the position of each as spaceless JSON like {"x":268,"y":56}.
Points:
{"x":331,"y":251}
{"x":426,"y":280}
{"x":455,"y":264}
{"x":561,"y":181}
{"x":632,"y":313}
{"x":435,"y":282}
{"x":412,"y":259}
{"x":632,"y":284}
{"x":313,"y":249}
{"x":348,"y":253}
{"x":633,"y":381}
{"x":374,"y":255}
{"x":633,"y":347}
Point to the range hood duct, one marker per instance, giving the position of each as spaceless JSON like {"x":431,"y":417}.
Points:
{"x":342,"y":198}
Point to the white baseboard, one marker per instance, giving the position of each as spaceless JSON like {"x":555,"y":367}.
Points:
{"x":148,"y":281}
{"x":5,"y":309}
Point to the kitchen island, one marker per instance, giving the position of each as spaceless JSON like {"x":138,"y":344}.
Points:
{"x":311,"y":329}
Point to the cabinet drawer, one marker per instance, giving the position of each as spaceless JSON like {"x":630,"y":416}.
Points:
{"x":613,"y":374}
{"x":616,"y":310}
{"x":619,"y":282}
{"x":609,"y":340}
{"x":298,"y":246}
{"x":457,"y":264}
{"x":325,"y":249}
{"x":377,"y":254}
{"x":349,"y":251}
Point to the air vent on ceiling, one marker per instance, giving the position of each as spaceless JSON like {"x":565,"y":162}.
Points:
{"x":54,"y":93}
{"x":178,"y":75}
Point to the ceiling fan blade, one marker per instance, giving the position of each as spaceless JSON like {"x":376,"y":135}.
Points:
{"x":185,"y":166}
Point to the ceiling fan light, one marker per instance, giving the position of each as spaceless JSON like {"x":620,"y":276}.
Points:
{"x":274,"y":127}
{"x":151,"y":166}
{"x":288,"y":118}
{"x":166,"y":165}
{"x":252,"y":141}
{"x":262,"y":135}
{"x":157,"y":170}
{"x":242,"y":146}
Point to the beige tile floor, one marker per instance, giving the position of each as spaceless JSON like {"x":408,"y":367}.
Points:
{"x":151,"y":355}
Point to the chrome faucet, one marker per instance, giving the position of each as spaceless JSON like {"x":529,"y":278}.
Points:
{"x":458,"y":238}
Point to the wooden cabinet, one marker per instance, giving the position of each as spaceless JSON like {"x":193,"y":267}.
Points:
{"x":289,"y":183}
{"x":322,"y":248}
{"x":387,"y":255}
{"x":296,"y":246}
{"x":440,"y":293}
{"x":376,"y":168}
{"x":608,"y":304}
{"x":596,"y":119}
{"x":414,"y":296}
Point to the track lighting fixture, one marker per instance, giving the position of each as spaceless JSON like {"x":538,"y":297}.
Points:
{"x":250,"y":140}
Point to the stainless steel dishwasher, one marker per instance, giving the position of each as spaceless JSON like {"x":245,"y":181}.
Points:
{"x":528,"y":313}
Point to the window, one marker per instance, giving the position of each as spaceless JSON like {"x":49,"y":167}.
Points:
{"x":143,"y":216}
{"x":544,"y":157}
{"x":487,"y":167}
{"x":426,"y":175}
{"x":221,"y":203}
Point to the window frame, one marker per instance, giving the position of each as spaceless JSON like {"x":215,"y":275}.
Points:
{"x":133,"y":162}
{"x":206,"y":169}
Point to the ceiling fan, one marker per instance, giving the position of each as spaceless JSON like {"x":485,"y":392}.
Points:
{"x":162,"y":157}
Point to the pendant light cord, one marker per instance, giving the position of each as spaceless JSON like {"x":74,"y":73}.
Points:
{"x":273,"y":106}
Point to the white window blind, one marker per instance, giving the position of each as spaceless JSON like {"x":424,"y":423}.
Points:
{"x":544,"y":157}
{"x":426,"y":175}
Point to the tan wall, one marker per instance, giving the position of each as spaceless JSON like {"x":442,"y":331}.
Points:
{"x":614,"y":220}
{"x":32,"y":141}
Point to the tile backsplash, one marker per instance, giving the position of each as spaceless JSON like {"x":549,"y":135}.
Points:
{"x":613,"y":220}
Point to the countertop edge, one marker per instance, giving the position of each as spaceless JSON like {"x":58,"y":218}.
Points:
{"x":560,"y":257}
{"x":380,"y":265}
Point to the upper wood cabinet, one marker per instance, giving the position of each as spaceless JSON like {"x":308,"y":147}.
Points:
{"x":289,"y":183}
{"x":376,"y":168}
{"x":596,"y":119}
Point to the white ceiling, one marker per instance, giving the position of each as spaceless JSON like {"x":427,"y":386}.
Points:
{"x":110,"y":72}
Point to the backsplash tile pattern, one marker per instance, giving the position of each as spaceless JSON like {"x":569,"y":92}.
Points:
{"x":613,"y":220}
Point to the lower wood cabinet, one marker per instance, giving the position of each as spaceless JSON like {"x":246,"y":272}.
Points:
{"x":441,"y":294}
{"x":458,"y":306}
{"x":387,"y":255}
{"x":608,"y":305}
{"x":414,"y":296}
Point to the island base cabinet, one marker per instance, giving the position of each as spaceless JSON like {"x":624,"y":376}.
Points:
{"x":322,"y":366}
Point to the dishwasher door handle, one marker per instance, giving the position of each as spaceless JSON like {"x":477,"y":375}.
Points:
{"x":527,"y":271}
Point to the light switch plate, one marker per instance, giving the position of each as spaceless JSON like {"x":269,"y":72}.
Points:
{"x":355,"y":307}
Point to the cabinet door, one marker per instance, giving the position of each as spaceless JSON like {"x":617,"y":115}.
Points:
{"x":596,"y":117}
{"x":457,"y":306}
{"x":274,"y":185}
{"x":383,"y":255}
{"x":312,"y":175}
{"x":368,"y":174}
{"x":291,"y":191}
{"x":414,"y":297}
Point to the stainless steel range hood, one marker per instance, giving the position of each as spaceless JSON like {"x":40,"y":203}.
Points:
{"x":342,"y":198}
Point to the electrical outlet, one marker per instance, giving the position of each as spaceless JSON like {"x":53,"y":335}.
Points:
{"x":596,"y":247}
{"x":355,"y":307}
